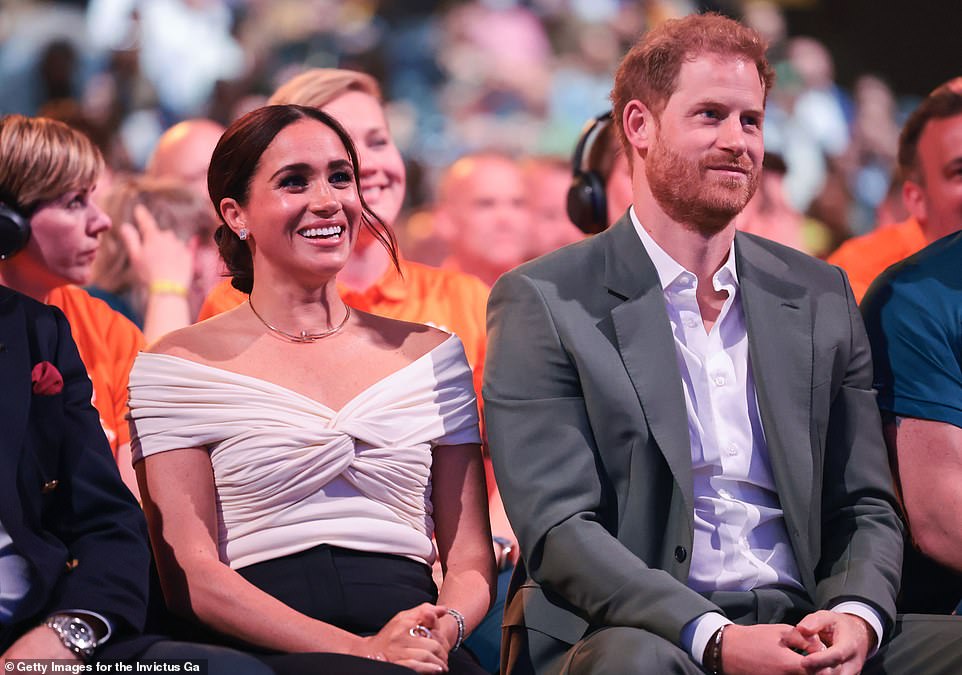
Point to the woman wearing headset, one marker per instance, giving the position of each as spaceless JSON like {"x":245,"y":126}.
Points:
{"x":49,"y":235}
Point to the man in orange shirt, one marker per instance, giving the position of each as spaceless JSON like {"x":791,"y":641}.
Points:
{"x":482,"y":214}
{"x":925,"y":152}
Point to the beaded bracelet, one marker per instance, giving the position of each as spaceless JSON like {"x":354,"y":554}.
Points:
{"x":459,"y":617}
{"x":714,"y":662}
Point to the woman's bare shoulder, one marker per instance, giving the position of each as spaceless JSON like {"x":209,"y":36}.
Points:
{"x":199,"y":339}
{"x":413,"y":340}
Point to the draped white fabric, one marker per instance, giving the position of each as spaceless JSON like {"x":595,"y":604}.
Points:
{"x":291,"y":473}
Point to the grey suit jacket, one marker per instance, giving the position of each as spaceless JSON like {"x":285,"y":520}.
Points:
{"x":588,"y":432}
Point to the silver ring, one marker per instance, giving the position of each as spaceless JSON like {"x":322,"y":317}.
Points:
{"x":420,"y":631}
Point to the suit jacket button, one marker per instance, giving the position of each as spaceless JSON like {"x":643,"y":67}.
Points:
{"x":680,"y":553}
{"x":49,"y":486}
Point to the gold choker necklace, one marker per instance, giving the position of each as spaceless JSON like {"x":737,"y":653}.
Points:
{"x":304,"y":336}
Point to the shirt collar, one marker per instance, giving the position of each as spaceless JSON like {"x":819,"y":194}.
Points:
{"x":671,"y":271}
{"x":390,"y":286}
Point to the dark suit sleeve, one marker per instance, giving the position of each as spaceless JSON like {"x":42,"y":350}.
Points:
{"x":861,"y":555}
{"x":553,"y":480}
{"x":92,"y":512}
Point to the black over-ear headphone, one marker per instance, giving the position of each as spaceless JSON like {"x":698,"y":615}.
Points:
{"x":14,"y":231}
{"x":587,"y":204}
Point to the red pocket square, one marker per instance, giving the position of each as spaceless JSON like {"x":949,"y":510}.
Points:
{"x":46,"y":379}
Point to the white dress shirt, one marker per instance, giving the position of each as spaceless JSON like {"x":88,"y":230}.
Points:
{"x":740,"y":540}
{"x":14,"y":577}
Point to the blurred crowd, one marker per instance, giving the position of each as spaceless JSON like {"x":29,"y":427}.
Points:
{"x":514,"y":76}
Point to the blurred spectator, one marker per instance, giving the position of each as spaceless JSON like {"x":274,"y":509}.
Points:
{"x":767,"y":18}
{"x":496,"y":57}
{"x":869,"y":161}
{"x":768,"y":214}
{"x":72,"y":113}
{"x":930,"y":151}
{"x":546,"y":182}
{"x":183,"y":152}
{"x":482,"y":214}
{"x":158,"y":257}
{"x":419,"y":240}
{"x":44,"y":54}
{"x":581,"y":82}
{"x":805,"y":119}
{"x":195,"y":32}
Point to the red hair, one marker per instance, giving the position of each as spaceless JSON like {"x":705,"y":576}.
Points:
{"x":649,"y":72}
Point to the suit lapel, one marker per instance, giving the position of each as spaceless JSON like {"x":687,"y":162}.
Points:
{"x":779,"y":320}
{"x":15,"y":374}
{"x":647,"y":348}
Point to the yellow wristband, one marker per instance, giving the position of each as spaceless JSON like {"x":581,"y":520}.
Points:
{"x":167,"y":287}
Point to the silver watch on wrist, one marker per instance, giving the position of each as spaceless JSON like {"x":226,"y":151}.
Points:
{"x":76,"y":634}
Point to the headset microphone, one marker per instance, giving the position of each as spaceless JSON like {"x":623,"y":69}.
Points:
{"x":586,"y":204}
{"x":14,"y":231}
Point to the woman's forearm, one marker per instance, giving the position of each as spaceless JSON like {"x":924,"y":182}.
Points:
{"x":220,"y":598}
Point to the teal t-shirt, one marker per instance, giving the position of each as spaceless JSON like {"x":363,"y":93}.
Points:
{"x":913,"y":315}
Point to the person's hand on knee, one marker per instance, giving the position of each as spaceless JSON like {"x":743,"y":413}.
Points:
{"x":408,"y":640}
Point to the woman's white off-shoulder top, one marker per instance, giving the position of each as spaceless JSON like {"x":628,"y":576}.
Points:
{"x":291,"y":473}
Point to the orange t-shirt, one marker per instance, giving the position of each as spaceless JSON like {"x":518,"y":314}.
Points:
{"x":446,"y":299}
{"x":108,"y":343}
{"x":864,"y":258}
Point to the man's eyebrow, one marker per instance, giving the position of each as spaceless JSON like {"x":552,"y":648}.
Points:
{"x":715,"y":103}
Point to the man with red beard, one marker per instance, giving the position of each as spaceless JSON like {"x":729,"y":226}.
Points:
{"x":681,"y":416}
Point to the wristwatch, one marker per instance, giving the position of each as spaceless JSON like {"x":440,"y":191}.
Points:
{"x":76,"y":634}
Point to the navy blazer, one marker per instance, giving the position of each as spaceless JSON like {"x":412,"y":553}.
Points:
{"x":61,"y":497}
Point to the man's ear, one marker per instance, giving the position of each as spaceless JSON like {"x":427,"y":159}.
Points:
{"x":913,"y":196}
{"x":233,"y":214}
{"x":639,"y":124}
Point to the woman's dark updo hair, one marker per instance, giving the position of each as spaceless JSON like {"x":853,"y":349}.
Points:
{"x":234,"y":163}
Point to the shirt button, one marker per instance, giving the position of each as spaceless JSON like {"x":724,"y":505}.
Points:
{"x":691,"y":323}
{"x":732,"y":450}
{"x":719,"y":380}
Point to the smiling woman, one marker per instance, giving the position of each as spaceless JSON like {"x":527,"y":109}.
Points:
{"x":310,"y":455}
{"x":51,"y":235}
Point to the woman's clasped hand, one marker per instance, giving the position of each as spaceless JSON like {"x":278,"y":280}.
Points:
{"x":412,"y":639}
